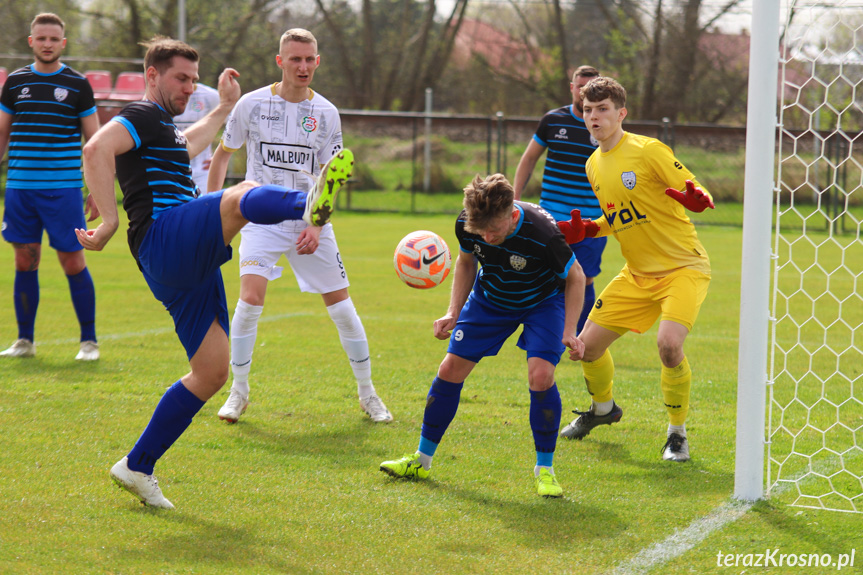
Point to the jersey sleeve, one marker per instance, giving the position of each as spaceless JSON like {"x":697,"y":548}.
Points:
{"x":141,"y":121}
{"x":7,"y":101}
{"x":541,"y":130}
{"x":669,"y":170}
{"x":237,"y":127}
{"x":86,"y":101}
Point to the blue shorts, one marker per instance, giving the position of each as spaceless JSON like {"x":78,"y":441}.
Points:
{"x":588,"y":252}
{"x":180,"y":258}
{"x":483,"y":327}
{"x":28,"y":212}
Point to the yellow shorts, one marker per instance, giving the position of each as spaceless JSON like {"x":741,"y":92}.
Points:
{"x":631,"y":302}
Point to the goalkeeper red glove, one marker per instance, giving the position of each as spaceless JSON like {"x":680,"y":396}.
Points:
{"x":693,"y":199}
{"x":577,"y":229}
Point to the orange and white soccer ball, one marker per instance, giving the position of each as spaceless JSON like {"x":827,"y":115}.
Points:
{"x":422,"y":259}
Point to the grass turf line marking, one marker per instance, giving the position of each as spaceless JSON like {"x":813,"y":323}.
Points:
{"x":682,"y":541}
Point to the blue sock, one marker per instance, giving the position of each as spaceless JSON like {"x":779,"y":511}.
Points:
{"x":544,"y":459}
{"x":427,"y":446}
{"x":84,"y":302}
{"x":26,"y":296}
{"x":172,"y":416}
{"x":271,"y":204}
{"x":545,"y":410}
{"x":589,"y":300}
{"x":441,"y":406}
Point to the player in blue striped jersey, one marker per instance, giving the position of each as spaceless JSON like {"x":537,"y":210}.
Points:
{"x":529,"y":277}
{"x":564,"y":182}
{"x":45,"y":108}
{"x":180,"y":240}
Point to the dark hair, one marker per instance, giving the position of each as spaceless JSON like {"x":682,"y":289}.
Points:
{"x":161,"y":51}
{"x":47,"y":18}
{"x":487,"y":200}
{"x":604,"y":87}
{"x":585,"y":72}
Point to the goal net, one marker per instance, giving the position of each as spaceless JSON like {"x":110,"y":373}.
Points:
{"x":815,"y":364}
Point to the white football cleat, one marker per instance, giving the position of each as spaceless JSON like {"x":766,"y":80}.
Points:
{"x":143,"y":486}
{"x":89,"y":351}
{"x":376,"y":409}
{"x":21,"y":348}
{"x":234,"y":407}
{"x":676,"y":448}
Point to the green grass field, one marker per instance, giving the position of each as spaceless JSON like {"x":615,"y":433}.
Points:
{"x":294,"y":487}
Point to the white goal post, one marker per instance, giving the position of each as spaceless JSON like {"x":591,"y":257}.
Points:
{"x":800,"y":371}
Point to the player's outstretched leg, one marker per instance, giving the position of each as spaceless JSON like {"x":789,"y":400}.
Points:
{"x":322,"y":199}
{"x":580,"y":427}
{"x":143,"y":486}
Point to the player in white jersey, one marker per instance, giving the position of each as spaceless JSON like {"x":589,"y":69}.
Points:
{"x":289,"y":132}
{"x":202,"y":101}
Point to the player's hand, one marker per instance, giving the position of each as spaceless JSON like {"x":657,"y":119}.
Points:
{"x":95,"y":239}
{"x":443,"y":326}
{"x":576,"y":347}
{"x":309,"y":240}
{"x":693,"y":199}
{"x":229,"y":88}
{"x":577,"y":229}
{"x":91,"y":208}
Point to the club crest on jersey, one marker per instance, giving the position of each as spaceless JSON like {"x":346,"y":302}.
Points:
{"x":197,"y":106}
{"x":60,"y":94}
{"x":628,"y":179}
{"x":310,"y":124}
{"x":517,"y":262}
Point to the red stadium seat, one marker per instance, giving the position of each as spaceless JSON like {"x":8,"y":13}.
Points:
{"x":129,"y":86}
{"x":3,"y":75}
{"x":100,"y":81}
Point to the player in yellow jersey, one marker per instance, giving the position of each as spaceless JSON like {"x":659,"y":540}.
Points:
{"x":637,"y":181}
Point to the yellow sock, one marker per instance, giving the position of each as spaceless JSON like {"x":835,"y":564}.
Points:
{"x":599,"y":375}
{"x":675,"y":383}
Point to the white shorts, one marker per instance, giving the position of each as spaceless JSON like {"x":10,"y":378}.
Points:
{"x":261,"y":246}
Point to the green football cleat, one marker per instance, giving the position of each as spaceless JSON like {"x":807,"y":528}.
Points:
{"x":321,"y":201}
{"x":547,"y":485}
{"x":408,"y":466}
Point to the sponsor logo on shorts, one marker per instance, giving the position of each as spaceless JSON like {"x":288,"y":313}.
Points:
{"x":291,"y":157}
{"x":60,"y":94}
{"x":253,"y":262}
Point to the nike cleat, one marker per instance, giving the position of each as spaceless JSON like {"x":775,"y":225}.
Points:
{"x":408,"y":467}
{"x":581,"y":426}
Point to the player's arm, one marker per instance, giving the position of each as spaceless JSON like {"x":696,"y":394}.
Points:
{"x":89,"y":127}
{"x":99,"y":152}
{"x":694,"y":197}
{"x":218,"y":168}
{"x":574,"y":300}
{"x":464,"y":274}
{"x":5,"y":130}
{"x":525,"y":166}
{"x":202,"y":133}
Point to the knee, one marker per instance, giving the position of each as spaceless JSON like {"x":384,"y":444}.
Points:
{"x":541,"y":378}
{"x":670,"y":353}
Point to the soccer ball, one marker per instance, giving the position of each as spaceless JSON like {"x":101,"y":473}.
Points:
{"x":422,"y":259}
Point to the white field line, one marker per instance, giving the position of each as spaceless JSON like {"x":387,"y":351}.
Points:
{"x":682,"y":540}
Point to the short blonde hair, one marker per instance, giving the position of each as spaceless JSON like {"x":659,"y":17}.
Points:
{"x":298,"y":35}
{"x":48,"y":18}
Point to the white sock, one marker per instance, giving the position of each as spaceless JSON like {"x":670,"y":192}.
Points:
{"x":356,"y":346}
{"x":538,"y":467}
{"x":244,"y":331}
{"x":678,"y":429}
{"x":425,"y":460}
{"x":602,"y":407}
